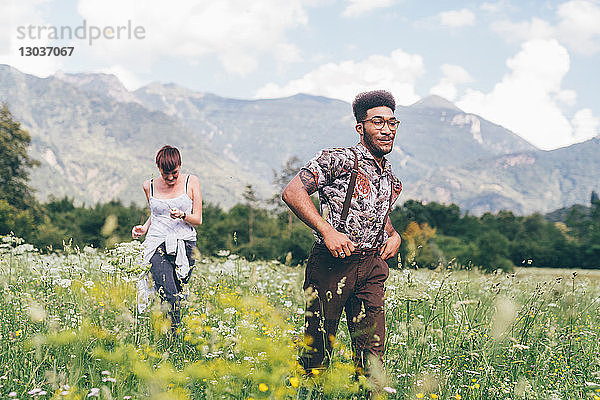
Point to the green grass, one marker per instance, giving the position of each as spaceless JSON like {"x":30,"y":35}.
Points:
{"x":71,"y":329}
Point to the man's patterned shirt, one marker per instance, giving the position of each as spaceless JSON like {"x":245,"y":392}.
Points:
{"x":370,"y":201}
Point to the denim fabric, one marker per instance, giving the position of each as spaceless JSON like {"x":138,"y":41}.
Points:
{"x":167,"y":284}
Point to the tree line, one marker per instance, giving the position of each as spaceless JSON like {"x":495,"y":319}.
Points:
{"x":433,"y":234}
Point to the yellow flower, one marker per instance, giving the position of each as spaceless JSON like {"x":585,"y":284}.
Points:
{"x":315,"y":371}
{"x":596,"y":397}
{"x":294,"y":381}
{"x":263,"y":387}
{"x":434,"y":396}
{"x":420,"y":395}
{"x":476,"y":386}
{"x":457,"y":396}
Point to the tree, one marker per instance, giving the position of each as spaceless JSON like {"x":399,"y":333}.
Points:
{"x":14,"y":162}
{"x":280,"y":179}
{"x":493,"y":252}
{"x":251,"y":200}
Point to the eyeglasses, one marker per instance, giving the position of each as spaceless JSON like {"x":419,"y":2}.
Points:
{"x":379,"y":122}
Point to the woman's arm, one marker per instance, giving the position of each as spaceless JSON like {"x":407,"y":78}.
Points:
{"x":140,"y":230}
{"x":194,"y":192}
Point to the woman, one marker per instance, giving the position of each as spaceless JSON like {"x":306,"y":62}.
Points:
{"x":175,"y":208}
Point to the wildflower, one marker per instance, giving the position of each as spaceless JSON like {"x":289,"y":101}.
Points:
{"x":294,"y":381}
{"x":35,"y":391}
{"x":263,"y":387}
{"x":457,"y":396}
{"x":315,"y":371}
{"x":65,"y":283}
{"x":95,"y":392}
{"x":420,"y":395}
{"x":341,"y":285}
{"x":12,"y":394}
{"x":434,"y":396}
{"x":390,"y":390}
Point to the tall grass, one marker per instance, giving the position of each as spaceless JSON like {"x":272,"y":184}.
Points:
{"x":71,"y":329}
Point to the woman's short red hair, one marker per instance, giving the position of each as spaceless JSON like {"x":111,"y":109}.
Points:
{"x":168,"y":158}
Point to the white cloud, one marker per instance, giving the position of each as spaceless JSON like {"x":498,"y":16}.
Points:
{"x":23,"y":13}
{"x":453,"y":75}
{"x":578,"y":27}
{"x":496,"y":7}
{"x":358,"y":7}
{"x":237,"y":32}
{"x":525,"y":101}
{"x":585,"y":125}
{"x":456,"y":18}
{"x":566,"y":97}
{"x":525,"y":30}
{"x":397,"y":73}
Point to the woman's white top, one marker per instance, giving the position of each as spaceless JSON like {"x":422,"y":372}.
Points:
{"x":170,"y":231}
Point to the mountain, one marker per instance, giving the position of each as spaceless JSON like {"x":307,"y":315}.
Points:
{"x":262,"y":134}
{"x":266,"y":133}
{"x":523,"y":182}
{"x":94,"y":148}
{"x":105,"y":84}
{"x":434,"y":133}
{"x":97,"y":141}
{"x":436,"y":102}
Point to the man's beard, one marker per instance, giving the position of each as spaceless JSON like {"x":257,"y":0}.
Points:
{"x":372,"y":147}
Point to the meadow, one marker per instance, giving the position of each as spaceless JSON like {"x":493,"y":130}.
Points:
{"x":71,"y":329}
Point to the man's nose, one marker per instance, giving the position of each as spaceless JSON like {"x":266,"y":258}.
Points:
{"x":386,"y":128}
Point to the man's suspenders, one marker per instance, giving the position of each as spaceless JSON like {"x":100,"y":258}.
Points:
{"x":349,"y":193}
{"x":348,"y":200}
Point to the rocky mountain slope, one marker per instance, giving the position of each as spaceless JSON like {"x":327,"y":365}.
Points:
{"x":96,"y":141}
{"x":95,"y":148}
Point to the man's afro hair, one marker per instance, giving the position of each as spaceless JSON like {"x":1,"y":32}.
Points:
{"x":366,"y":100}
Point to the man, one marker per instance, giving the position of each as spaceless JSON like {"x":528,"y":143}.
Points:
{"x":346,"y":267}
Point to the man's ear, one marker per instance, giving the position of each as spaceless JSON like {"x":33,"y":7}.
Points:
{"x":359,"y":128}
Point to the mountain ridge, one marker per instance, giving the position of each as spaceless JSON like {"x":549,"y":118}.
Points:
{"x":80,"y":123}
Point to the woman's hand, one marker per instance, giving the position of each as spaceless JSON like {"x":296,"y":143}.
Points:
{"x":176,"y":213}
{"x":138,"y":231}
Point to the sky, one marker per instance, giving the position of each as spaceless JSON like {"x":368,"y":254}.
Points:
{"x":530,"y":66}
